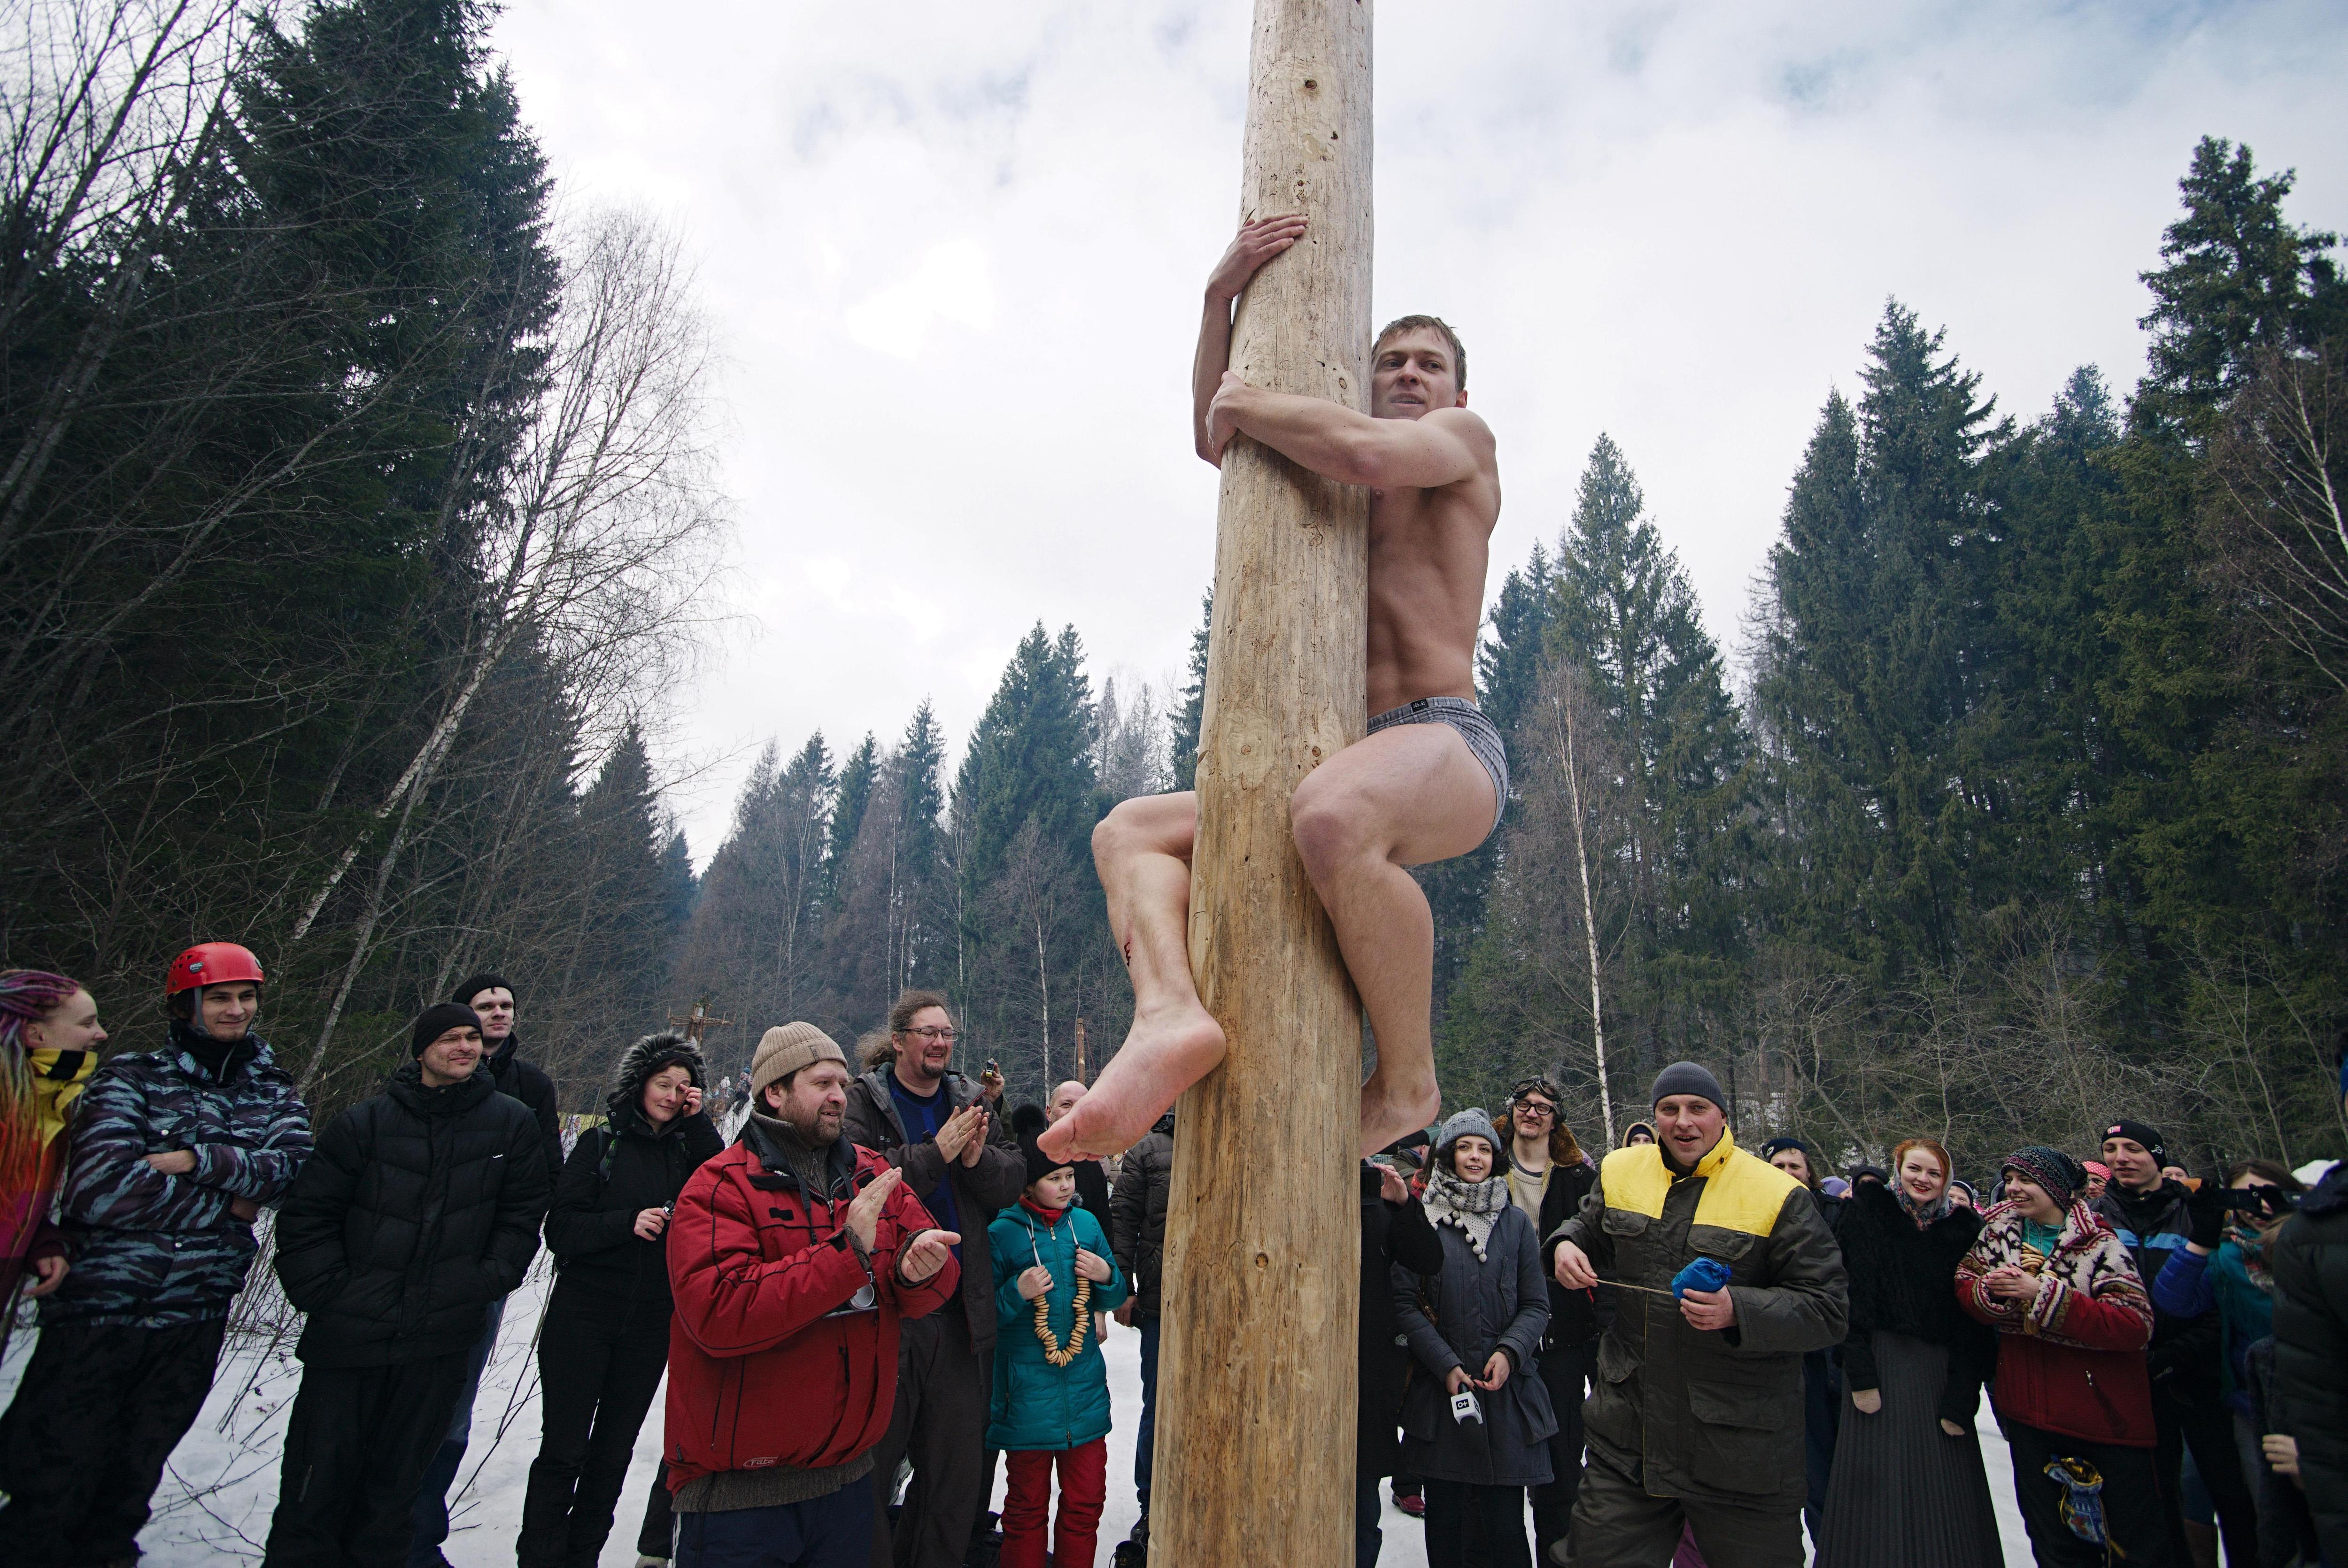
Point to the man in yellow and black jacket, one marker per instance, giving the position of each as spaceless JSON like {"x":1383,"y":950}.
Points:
{"x":1696,"y":1416}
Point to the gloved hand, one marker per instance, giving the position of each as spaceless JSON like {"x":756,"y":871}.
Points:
{"x":2206,"y":1209}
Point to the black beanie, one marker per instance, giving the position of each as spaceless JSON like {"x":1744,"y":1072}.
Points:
{"x":472,"y":986}
{"x":1039,"y":1163}
{"x":438,"y":1020}
{"x":1687,"y":1078}
{"x":2149,"y":1137}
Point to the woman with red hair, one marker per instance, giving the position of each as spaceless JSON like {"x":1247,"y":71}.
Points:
{"x":1908,"y":1485}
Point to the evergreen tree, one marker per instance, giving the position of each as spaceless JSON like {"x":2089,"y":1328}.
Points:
{"x":1192,"y":714}
{"x":852,"y":794}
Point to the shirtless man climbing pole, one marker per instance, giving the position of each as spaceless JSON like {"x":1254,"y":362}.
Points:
{"x":1428,"y":782}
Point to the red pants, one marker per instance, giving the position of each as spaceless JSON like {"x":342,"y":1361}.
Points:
{"x":1084,"y":1486}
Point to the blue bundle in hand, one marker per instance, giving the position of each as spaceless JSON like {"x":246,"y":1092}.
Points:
{"x":1704,"y":1274}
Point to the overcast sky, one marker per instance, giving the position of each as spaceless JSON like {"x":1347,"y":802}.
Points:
{"x":955,"y":253}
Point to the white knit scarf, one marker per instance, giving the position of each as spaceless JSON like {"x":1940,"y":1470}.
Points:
{"x":1473,"y":1206}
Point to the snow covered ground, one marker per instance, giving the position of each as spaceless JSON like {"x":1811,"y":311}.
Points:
{"x":214,"y":1506}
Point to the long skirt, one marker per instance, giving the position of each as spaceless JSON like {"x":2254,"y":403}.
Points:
{"x":1904,"y":1491}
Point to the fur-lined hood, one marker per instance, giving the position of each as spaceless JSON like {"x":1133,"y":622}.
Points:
{"x":652,"y":1054}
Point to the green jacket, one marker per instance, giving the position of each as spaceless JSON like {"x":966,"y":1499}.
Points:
{"x":1714,"y":1415}
{"x":1037,"y":1404}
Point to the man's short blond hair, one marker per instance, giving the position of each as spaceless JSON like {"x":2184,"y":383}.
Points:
{"x":1432,"y":323}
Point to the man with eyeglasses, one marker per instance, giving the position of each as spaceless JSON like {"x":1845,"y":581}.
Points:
{"x":933,"y":1123}
{"x":1547,"y":1176}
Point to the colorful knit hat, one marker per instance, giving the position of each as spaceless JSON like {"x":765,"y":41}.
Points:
{"x":2051,"y":1169}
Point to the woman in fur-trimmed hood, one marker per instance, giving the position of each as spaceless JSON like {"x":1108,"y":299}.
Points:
{"x":604,"y":1340}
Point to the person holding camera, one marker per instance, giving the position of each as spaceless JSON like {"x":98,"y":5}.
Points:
{"x":604,"y":1342}
{"x":1476,"y":1416}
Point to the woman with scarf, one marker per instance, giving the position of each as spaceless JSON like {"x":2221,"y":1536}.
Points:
{"x":172,"y":1153}
{"x":2072,"y":1394}
{"x":1476,"y":1416}
{"x":1908,"y":1485}
{"x":603,"y":1343}
{"x":49,"y":1036}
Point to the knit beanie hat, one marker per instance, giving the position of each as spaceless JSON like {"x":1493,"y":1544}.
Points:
{"x":1472,"y":1123}
{"x":472,"y":986}
{"x":787,"y":1048}
{"x":1777,"y":1146}
{"x":438,"y":1020}
{"x":1687,"y":1078}
{"x":2138,"y":1132}
{"x":2051,"y":1169}
{"x":1039,"y":1163}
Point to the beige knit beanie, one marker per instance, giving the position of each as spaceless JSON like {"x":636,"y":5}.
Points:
{"x":784,"y":1050}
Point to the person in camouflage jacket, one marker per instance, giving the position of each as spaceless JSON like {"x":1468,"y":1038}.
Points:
{"x":172,"y":1155}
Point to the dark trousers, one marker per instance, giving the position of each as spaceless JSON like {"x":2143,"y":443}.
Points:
{"x":2135,"y":1520}
{"x":1145,"y":1433}
{"x":1565,"y":1370}
{"x":654,"y":1539}
{"x":1368,"y":1508}
{"x":1615,"y":1522}
{"x":355,"y":1449}
{"x":94,"y":1422}
{"x":940,"y":1423}
{"x":599,"y":1364}
{"x":2210,"y":1435}
{"x":1821,"y":1420}
{"x":448,"y":1456}
{"x":1499,"y":1516}
{"x":833,"y":1532}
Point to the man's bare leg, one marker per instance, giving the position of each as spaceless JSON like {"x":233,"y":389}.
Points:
{"x":1403,"y":796}
{"x":1142,"y":850}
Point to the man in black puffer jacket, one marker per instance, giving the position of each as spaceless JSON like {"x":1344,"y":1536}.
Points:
{"x":604,"y":1342}
{"x":492,"y":1000}
{"x":418,"y":1209}
{"x":2310,"y":1348}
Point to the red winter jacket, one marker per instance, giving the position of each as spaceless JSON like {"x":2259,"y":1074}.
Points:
{"x":2071,"y":1361}
{"x":769,"y":1361}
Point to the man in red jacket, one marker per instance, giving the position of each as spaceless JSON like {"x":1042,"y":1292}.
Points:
{"x":792,"y":1256}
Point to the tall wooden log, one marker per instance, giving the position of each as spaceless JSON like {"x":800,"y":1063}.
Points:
{"x":1256,"y":1362}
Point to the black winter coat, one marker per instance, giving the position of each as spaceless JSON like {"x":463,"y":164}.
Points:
{"x":1136,"y":1231}
{"x":1457,"y":1318}
{"x":614,"y":1175}
{"x":1574,"y":1315}
{"x":1903,"y":1280}
{"x":520,"y":1080}
{"x":2186,"y":1352}
{"x":2310,"y":1256}
{"x":418,"y":1208}
{"x":1394,"y":1235}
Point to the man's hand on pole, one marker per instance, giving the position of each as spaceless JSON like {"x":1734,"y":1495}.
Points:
{"x":1573,"y":1270}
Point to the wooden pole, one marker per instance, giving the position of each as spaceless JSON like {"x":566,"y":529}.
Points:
{"x":1255,"y":1428}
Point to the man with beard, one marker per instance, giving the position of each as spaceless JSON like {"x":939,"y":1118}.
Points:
{"x":796,"y":1261}
{"x":933,"y":1123}
{"x":493,"y":1001}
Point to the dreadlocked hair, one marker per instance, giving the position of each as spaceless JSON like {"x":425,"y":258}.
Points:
{"x":26,"y":997}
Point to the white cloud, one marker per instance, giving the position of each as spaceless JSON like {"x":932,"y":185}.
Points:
{"x":955,"y":254}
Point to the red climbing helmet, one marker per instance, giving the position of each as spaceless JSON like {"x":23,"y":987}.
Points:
{"x":211,"y":964}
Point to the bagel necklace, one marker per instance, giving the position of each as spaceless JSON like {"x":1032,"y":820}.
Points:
{"x":1053,"y":1353}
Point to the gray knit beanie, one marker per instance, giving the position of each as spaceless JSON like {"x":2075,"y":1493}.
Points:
{"x":787,"y":1048}
{"x":1687,"y":1078}
{"x":1472,"y":1122}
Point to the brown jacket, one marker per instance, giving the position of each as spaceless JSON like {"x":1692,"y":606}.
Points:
{"x":979,"y":1190}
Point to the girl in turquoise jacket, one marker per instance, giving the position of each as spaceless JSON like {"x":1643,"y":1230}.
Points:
{"x":1056,"y":1274}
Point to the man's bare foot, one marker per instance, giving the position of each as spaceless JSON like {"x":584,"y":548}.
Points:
{"x":1392,"y":1111}
{"x":1164,"y":1054}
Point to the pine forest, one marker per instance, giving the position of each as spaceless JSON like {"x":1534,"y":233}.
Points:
{"x":359,"y":497}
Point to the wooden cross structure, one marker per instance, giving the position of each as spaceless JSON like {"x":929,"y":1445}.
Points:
{"x":1262,"y":1274}
{"x":699,"y":1019}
